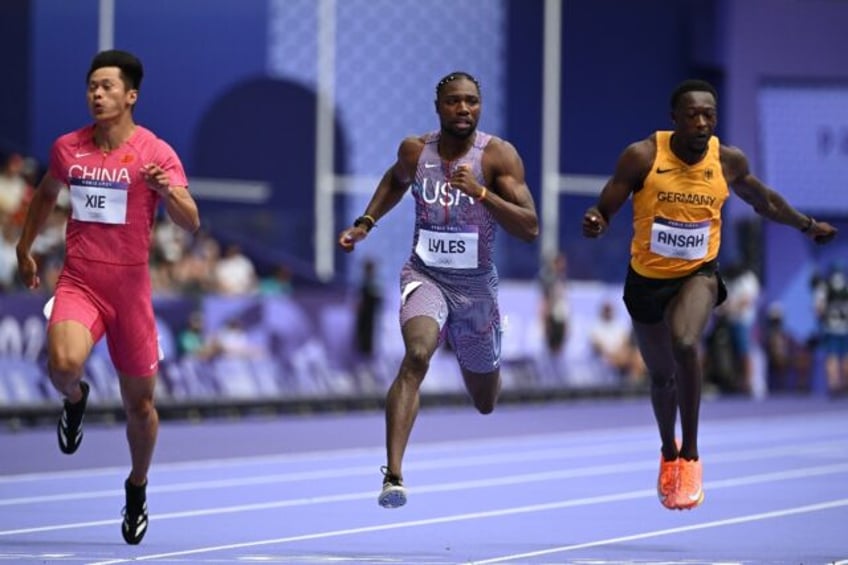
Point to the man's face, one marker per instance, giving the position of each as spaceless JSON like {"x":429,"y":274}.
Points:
{"x":458,"y":106}
{"x":107,"y":96}
{"x":695,"y":119}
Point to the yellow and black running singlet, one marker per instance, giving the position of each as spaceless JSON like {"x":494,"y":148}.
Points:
{"x":677,"y":213}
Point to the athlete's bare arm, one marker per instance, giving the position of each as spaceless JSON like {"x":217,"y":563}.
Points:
{"x":40,"y":207}
{"x":632,"y":167}
{"x":389,"y":191}
{"x":179,"y":203}
{"x":507,"y":197}
{"x":765,"y":201}
{"x":182,"y":208}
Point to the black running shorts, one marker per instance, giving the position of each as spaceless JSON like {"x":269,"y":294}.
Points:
{"x":646,"y":298}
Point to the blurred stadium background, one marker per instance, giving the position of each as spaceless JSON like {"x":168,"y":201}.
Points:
{"x":286,"y":112}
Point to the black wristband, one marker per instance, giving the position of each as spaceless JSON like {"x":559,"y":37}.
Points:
{"x":809,"y":225}
{"x":367,"y":220}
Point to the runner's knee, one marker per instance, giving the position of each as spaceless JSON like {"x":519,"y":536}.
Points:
{"x":139,"y":407}
{"x":64,"y":365}
{"x":417,"y":358}
{"x":662,"y":381}
{"x":685,"y":347}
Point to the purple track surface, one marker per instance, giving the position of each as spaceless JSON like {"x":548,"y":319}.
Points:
{"x":566,"y":482}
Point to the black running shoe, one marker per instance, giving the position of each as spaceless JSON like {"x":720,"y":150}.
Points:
{"x":393,"y":494}
{"x":134,"y":525}
{"x":69,"y":429}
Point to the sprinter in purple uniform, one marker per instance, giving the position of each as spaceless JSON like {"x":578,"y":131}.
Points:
{"x":464,"y":182}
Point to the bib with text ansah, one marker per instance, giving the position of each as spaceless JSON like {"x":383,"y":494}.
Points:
{"x":680,"y":240}
{"x":447,"y":249}
{"x":99,"y":201}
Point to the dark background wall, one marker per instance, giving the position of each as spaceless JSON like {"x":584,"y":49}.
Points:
{"x":619,"y":62}
{"x":800,"y":42}
{"x":15,"y":54}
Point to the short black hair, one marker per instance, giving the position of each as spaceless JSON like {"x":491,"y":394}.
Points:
{"x":452,"y":77}
{"x":691,"y":85}
{"x":131,"y":69}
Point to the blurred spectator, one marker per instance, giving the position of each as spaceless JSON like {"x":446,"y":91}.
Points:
{"x":9,"y":234}
{"x":169,"y":245}
{"x":195,"y":272}
{"x":740,"y":311}
{"x":722,"y":363}
{"x":231,"y":340}
{"x":192,"y":339}
{"x":49,"y":244}
{"x":235,"y":273}
{"x":367,"y":309}
{"x":613,"y":342}
{"x":552,"y":279}
{"x":31,"y":172}
{"x":788,"y":362}
{"x":278,"y":283}
{"x":170,"y":242}
{"x":13,"y":185}
{"x":830,"y":296}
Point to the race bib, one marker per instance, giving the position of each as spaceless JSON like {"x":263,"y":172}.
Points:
{"x":680,"y":240}
{"x":104,"y":202}
{"x":448,"y":250}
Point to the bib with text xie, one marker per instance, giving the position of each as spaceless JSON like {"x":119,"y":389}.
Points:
{"x":99,"y":201}
{"x":447,"y":249}
{"x":680,"y":240}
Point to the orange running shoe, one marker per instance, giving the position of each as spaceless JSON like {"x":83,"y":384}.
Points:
{"x":691,"y":491}
{"x":668,"y":482}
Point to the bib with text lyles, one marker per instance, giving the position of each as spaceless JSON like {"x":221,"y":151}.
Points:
{"x":681,"y":240}
{"x":448,"y":249}
{"x":99,"y":201}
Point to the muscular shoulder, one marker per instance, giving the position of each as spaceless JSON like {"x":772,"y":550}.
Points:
{"x":730,"y":154}
{"x":734,"y":163}
{"x":499,"y":149}
{"x":410,"y":150}
{"x":643,"y":151}
{"x":637,"y":158}
{"x":501,"y":156}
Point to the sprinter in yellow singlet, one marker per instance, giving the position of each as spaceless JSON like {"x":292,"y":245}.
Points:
{"x":679,"y":182}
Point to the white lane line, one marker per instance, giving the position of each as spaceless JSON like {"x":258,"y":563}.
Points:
{"x":658,"y":533}
{"x":313,"y":456}
{"x":588,"y":452}
{"x":782,"y":428}
{"x":335,"y":472}
{"x":340,"y":472}
{"x":461,"y":486}
{"x":348,"y":497}
{"x":496,"y":513}
{"x":617,"y":435}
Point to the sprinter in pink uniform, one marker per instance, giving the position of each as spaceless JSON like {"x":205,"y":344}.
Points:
{"x":465,"y":184}
{"x":117,"y":173}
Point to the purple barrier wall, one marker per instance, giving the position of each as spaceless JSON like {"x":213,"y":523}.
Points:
{"x":302,"y":346}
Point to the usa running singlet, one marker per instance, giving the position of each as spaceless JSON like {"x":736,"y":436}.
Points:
{"x":112,"y":209}
{"x":454,"y":234}
{"x":677,"y":213}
